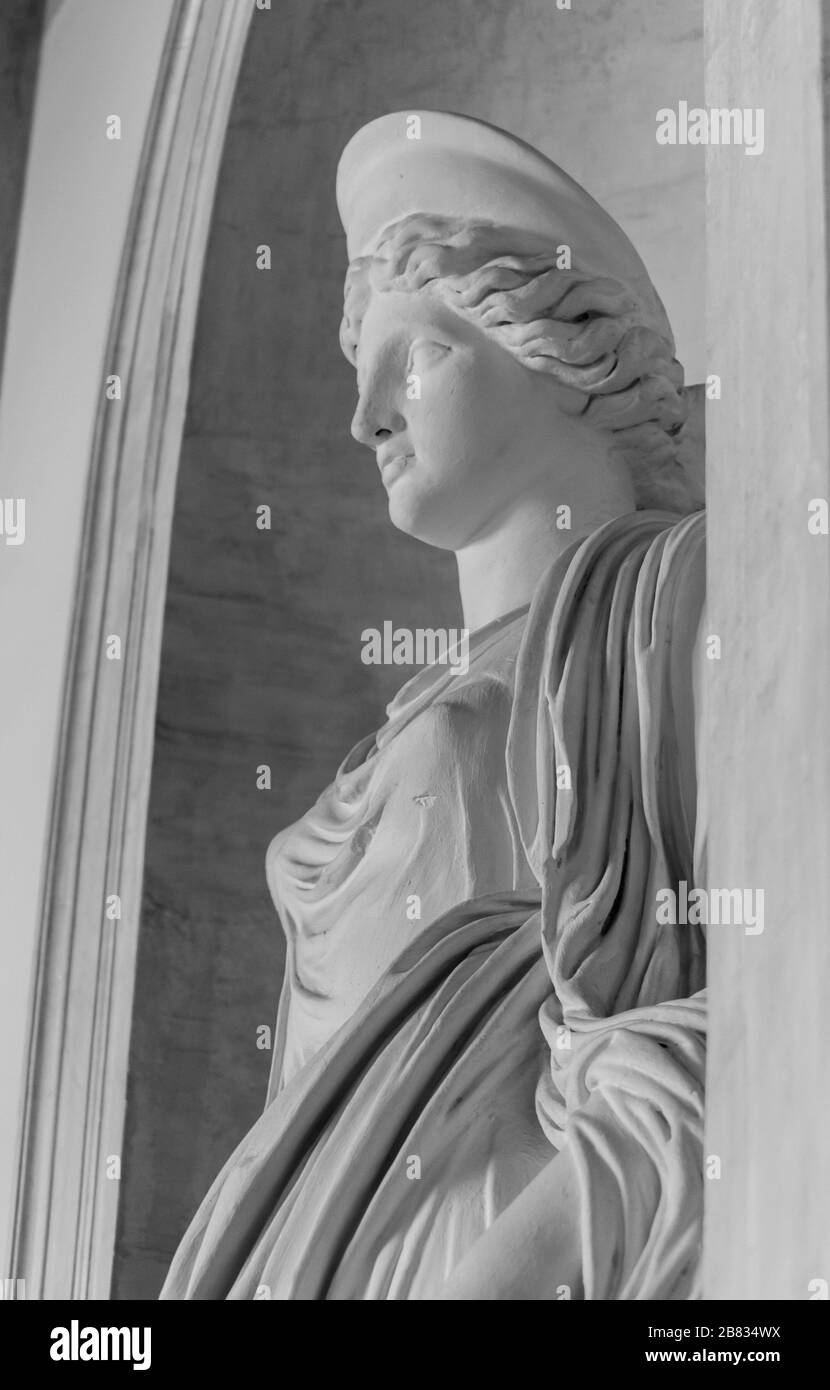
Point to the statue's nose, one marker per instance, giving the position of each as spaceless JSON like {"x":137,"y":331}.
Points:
{"x":370,"y":430}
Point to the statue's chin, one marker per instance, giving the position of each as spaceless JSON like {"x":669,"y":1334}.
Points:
{"x":407,"y":513}
{"x":412,"y":523}
{"x":427,"y":518}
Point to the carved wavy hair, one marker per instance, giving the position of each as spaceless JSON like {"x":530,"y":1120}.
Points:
{"x":592,"y":335}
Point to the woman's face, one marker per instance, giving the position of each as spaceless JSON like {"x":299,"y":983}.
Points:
{"x":461,"y":430}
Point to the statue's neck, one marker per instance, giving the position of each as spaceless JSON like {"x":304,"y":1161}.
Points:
{"x":499,"y":570}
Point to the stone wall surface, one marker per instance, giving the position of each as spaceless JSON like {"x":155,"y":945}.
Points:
{"x":21,"y":22}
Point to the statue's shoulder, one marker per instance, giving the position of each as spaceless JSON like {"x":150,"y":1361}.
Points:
{"x":621,"y":553}
{"x":647,"y":568}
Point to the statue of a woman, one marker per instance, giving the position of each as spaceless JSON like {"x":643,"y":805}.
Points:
{"x":489,"y":1058}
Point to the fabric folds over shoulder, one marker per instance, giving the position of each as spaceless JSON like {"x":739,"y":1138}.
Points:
{"x":603,"y":704}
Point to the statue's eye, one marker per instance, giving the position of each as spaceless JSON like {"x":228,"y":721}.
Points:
{"x":425,"y":353}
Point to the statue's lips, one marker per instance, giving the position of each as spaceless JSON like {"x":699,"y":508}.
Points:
{"x":392,"y":468}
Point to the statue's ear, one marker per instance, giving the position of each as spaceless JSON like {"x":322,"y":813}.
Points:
{"x":692,"y":440}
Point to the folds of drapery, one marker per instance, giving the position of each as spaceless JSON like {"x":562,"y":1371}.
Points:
{"x":604,"y":690}
{"x":314,"y":1203}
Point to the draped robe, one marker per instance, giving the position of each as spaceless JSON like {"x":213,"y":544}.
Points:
{"x":426,"y":1069}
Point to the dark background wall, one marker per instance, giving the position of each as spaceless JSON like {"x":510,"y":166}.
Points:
{"x":21,"y":23}
{"x":261,"y":654}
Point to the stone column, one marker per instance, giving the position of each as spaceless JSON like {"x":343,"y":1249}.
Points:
{"x":766,"y":779}
{"x":130,"y":116}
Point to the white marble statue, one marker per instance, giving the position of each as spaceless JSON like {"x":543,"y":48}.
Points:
{"x":489,"y":1061}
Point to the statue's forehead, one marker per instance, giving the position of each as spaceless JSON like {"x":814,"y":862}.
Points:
{"x":390,"y":317}
{"x":404,"y":306}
